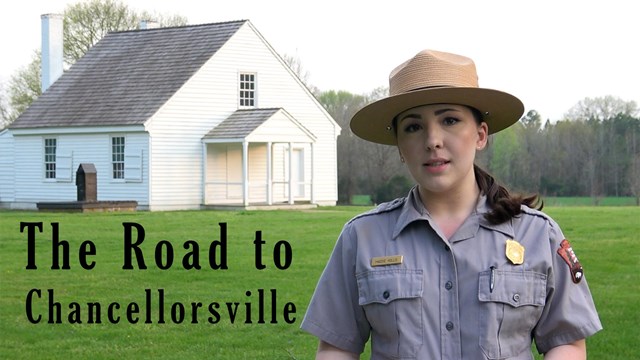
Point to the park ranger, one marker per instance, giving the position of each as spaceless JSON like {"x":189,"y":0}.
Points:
{"x":459,"y":268}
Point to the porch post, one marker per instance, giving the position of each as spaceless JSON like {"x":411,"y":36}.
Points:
{"x":204,"y":173}
{"x":269,"y":175}
{"x":245,"y":172}
{"x":313,"y":164}
{"x":290,"y":173}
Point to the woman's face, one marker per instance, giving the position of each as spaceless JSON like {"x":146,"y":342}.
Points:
{"x":438,"y":143}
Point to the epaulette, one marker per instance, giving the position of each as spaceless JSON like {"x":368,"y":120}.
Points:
{"x":529,"y":211}
{"x":382,"y":208}
{"x":537,"y":213}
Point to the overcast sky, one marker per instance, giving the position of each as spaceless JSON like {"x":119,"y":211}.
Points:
{"x":549,"y":53}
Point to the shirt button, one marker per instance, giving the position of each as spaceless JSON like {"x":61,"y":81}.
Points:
{"x":449,"y":326}
{"x":516,"y":297}
{"x":448,"y":285}
{"x":385,"y":294}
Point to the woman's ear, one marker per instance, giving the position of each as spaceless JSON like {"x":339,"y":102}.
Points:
{"x":483,"y":136}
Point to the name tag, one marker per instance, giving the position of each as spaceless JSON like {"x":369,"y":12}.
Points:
{"x":386,"y":260}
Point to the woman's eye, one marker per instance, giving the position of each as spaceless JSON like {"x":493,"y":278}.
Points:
{"x":412,"y":128}
{"x":450,"y":120}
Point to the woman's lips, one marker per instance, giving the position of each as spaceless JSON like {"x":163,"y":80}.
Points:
{"x":436,"y":165}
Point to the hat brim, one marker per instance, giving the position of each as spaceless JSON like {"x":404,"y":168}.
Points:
{"x":374,"y":122}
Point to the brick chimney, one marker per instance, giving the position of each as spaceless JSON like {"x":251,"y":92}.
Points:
{"x":51,"y":49}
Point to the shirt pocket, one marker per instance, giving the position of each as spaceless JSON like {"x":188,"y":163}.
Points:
{"x":392,"y":302}
{"x":511,"y":304}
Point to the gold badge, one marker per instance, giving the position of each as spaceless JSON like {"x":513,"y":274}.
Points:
{"x":386,"y":260}
{"x":515,"y":252}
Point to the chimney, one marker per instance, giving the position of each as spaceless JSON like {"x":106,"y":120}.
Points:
{"x":148,"y":24}
{"x":51,"y":49}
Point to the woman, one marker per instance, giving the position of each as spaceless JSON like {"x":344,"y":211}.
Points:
{"x":460,"y":268}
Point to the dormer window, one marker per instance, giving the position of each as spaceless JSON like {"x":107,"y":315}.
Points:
{"x":247,"y":90}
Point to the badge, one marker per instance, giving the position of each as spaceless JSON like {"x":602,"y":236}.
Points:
{"x":566,"y":252}
{"x":515,"y":252}
{"x":386,"y":260}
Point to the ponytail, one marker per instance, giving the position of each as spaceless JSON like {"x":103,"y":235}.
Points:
{"x":504,"y":205}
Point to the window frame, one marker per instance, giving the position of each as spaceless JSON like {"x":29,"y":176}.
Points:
{"x":247,"y":90}
{"x":49,"y":158}
{"x":117,"y":158}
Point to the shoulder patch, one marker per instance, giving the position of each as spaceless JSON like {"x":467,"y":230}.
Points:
{"x":566,"y":253}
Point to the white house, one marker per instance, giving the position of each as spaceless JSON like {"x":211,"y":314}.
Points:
{"x":175,"y":118}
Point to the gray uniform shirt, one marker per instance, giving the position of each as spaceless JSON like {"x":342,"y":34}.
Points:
{"x":461,"y":298}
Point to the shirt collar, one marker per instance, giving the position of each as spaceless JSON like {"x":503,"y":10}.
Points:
{"x":413,"y":210}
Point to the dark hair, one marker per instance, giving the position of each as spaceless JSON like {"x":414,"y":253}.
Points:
{"x":504,"y":205}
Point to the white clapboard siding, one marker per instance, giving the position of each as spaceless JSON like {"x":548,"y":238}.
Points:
{"x":7,"y":171}
{"x":31,"y":186}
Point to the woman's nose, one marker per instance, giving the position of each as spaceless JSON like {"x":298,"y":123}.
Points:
{"x":433,"y":138}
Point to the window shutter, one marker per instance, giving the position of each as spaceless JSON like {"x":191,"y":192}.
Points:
{"x":133,"y":165}
{"x":64,"y":162}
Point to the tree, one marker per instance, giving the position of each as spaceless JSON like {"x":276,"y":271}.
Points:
{"x":295,"y":65}
{"x":342,"y":105}
{"x":85,"y":23}
{"x":505,"y":154}
{"x":363,"y":167}
{"x":4,"y":109}
{"x":601,"y":108}
{"x":24,"y":87}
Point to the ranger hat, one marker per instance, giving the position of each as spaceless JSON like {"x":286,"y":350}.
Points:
{"x":434,"y":77}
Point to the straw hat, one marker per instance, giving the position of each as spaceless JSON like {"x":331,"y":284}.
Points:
{"x":434,"y":77}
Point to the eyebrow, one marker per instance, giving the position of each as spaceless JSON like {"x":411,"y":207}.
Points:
{"x":418,"y":116}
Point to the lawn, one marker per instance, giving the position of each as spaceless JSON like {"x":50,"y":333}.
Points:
{"x":238,"y":305}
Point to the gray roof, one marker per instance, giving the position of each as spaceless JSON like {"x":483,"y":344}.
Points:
{"x":241,"y":123}
{"x":127,"y":76}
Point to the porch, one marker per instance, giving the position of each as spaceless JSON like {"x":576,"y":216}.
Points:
{"x":260,"y":158}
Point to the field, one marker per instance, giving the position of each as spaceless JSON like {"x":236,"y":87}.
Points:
{"x":252,"y":305}
{"x":590,"y":201}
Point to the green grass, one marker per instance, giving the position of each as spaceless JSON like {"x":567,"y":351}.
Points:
{"x":606,"y":240}
{"x":590,"y":201}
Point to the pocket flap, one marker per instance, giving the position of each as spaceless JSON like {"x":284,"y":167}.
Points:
{"x":384,"y":286}
{"x":516,"y":288}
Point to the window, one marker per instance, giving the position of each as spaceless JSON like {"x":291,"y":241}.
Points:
{"x":247,"y":90}
{"x":117,"y":157}
{"x":50,"y":158}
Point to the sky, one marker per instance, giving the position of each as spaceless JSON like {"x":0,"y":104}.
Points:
{"x":550,"y":53}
